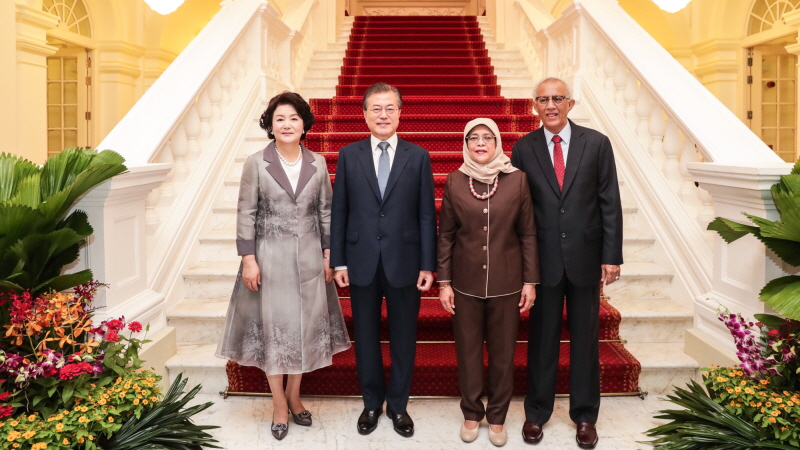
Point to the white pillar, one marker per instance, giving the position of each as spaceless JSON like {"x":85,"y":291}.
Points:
{"x":741,"y":268}
{"x":116,"y":252}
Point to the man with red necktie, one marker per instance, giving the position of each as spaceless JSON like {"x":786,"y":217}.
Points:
{"x":575,"y":193}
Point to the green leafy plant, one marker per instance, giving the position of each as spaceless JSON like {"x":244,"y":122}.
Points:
{"x":167,"y":425}
{"x":38,"y":234}
{"x":705,"y":424}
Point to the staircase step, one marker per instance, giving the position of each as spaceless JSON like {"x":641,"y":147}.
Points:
{"x":435,"y":69}
{"x":425,"y":123}
{"x":202,"y":321}
{"x":664,"y":365}
{"x":427,"y":53}
{"x":214,"y":279}
{"x":426,"y":105}
{"x":425,"y":46}
{"x":433,"y":142}
{"x":652,"y":319}
{"x":435,"y":372}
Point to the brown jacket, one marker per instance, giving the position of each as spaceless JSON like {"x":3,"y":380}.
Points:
{"x":487,"y":248}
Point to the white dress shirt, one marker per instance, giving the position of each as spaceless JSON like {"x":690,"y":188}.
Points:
{"x":566,"y":136}
{"x":376,"y":154}
{"x":292,"y":172}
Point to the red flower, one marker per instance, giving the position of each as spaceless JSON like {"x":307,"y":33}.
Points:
{"x":115,"y":324}
{"x":135,"y":327}
{"x":5,"y":396}
{"x":773,"y":333}
{"x":6,"y":411}
{"x":71,"y":371}
{"x":112,"y":336}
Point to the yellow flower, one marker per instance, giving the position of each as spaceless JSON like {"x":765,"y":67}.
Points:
{"x":13,"y":436}
{"x":776,"y":413}
{"x":101,"y":402}
{"x":733,"y":403}
{"x":730,"y":391}
{"x":29,"y":434}
{"x":14,"y":423}
{"x":136,"y":401}
{"x":785,"y":392}
{"x":83,"y":419}
{"x":65,"y":441}
{"x":91,"y":438}
{"x":738,"y":390}
{"x":743,"y":383}
{"x":768,"y":404}
{"x":748,"y":390}
{"x":59,"y":427}
{"x":84,"y":408}
{"x":722,"y":379}
{"x":778,"y":400}
{"x":790,"y":403}
{"x":753,"y":404}
{"x":32,"y":417}
{"x":80,"y":441}
{"x":110,"y":419}
{"x":764,"y":382}
{"x":145,"y":402}
{"x":39,"y":446}
{"x":772,"y":420}
{"x":15,"y":445}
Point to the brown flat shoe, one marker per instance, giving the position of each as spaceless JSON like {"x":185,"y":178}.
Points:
{"x":587,"y":435}
{"x":532,"y":432}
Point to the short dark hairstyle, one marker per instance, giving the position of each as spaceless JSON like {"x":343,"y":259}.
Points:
{"x":377,"y":88}
{"x":294,"y":100}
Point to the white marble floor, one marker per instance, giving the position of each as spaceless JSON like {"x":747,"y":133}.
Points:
{"x":245,"y":424}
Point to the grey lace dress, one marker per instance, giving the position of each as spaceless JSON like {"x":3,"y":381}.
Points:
{"x":294,"y":323}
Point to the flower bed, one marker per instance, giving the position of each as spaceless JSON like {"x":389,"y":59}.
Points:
{"x":66,"y":383}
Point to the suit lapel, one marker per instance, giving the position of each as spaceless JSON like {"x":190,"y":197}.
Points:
{"x":365,"y":157}
{"x":543,"y":156}
{"x":401,"y":156}
{"x":576,"y":148}
{"x":275,"y":168}
{"x":307,"y":171}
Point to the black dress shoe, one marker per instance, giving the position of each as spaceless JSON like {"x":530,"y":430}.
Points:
{"x":586,"y":437}
{"x":368,"y":420}
{"x":279,"y":430}
{"x":532,"y":432}
{"x":402,"y":422}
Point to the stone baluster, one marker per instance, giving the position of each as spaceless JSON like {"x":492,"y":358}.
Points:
{"x":214,"y":91}
{"x":224,"y":76}
{"x":233,"y":66}
{"x":673,"y":144}
{"x":706,"y":213}
{"x":620,"y":80}
{"x":657,"y":127}
{"x":180,"y":149}
{"x":631,"y":95}
{"x":600,"y":58}
{"x":205,"y":111}
{"x":644,"y":105}
{"x":191,"y":126}
{"x":609,"y":67}
{"x":689,"y":191}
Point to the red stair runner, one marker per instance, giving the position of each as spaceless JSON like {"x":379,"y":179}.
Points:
{"x":441,"y":66}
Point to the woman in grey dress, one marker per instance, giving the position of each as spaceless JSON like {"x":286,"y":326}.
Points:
{"x":284,"y":315}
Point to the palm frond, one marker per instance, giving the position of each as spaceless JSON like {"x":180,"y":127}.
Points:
{"x":167,"y":426}
{"x":781,"y":294}
{"x":13,"y":169}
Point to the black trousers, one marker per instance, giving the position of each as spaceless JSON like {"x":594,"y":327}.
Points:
{"x":583,"y":313}
{"x":402,"y":304}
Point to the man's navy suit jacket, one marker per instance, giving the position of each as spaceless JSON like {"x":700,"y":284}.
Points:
{"x":400,"y":229}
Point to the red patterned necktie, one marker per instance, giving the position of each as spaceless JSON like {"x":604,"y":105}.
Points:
{"x":558,"y":161}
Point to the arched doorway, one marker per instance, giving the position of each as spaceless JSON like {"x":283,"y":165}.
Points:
{"x":772,"y":76}
{"x":69,"y":76}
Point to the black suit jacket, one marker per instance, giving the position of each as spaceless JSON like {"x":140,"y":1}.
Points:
{"x":400,"y":229}
{"x":578,"y":228}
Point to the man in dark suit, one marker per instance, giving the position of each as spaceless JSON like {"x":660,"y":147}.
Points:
{"x":575,"y":193}
{"x":383,"y":242}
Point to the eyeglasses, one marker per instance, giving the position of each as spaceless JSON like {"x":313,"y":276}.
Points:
{"x":488,"y":138}
{"x":376,"y":111}
{"x":557,"y":99}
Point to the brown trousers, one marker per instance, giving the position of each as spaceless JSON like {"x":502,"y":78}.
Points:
{"x":494,"y":320}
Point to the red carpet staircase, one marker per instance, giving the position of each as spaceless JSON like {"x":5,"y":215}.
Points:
{"x":442,"y":68}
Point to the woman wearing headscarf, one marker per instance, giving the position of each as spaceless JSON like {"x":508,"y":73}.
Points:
{"x":488,"y":265}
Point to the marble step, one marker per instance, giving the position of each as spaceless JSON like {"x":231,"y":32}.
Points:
{"x":644,"y":320}
{"x":663,"y":365}
{"x":332,"y":69}
{"x":317,"y":92}
{"x":516,"y":92}
{"x":214,"y":279}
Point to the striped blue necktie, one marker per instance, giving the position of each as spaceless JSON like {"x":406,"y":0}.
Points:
{"x":383,"y":166}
